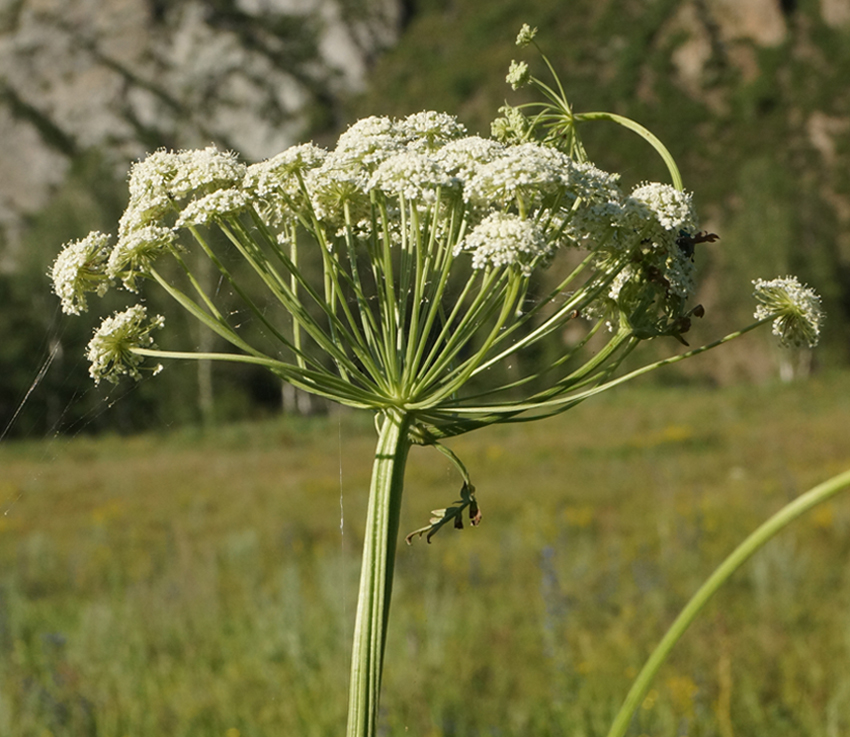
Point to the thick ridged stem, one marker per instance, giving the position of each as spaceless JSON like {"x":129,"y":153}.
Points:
{"x":376,"y":576}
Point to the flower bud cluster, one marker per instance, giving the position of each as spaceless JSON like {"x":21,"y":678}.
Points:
{"x":518,"y":75}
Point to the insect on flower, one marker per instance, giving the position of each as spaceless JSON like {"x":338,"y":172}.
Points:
{"x":686,"y":241}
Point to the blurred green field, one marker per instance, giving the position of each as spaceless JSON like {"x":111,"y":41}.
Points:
{"x":200,"y":584}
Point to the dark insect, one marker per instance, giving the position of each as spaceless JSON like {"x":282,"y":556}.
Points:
{"x":686,"y":241}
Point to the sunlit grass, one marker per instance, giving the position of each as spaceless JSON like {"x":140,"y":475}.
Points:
{"x":200,"y":585}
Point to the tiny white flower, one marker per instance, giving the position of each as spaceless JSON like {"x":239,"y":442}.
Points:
{"x":269,"y":177}
{"x":164,"y":177}
{"x":429,"y":130}
{"x":623,"y":278}
{"x":594,"y":184}
{"x":80,"y":268}
{"x":110,"y":350}
{"x":463,"y":157}
{"x":147,"y":211}
{"x":367,"y":143}
{"x":335,"y":185}
{"x":275,"y":185}
{"x":796,"y":308}
{"x":680,"y":273}
{"x":150,"y":177}
{"x":600,"y":217}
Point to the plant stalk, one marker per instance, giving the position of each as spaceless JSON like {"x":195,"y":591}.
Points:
{"x":724,"y":571}
{"x":376,"y":575}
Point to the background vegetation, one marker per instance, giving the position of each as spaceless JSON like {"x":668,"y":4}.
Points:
{"x":149,"y":585}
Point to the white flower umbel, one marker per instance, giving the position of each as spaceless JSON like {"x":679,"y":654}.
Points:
{"x":136,"y":251}
{"x":151,"y":177}
{"x":796,"y":309}
{"x":164,"y":178}
{"x":503,"y":239}
{"x":430,"y":130}
{"x":414,"y":176}
{"x":368,"y":142}
{"x":276,"y":185}
{"x":111,"y":350}
{"x":80,"y":269}
{"x":217,"y":204}
{"x":463,"y":157}
{"x":526,"y":176}
{"x":202,"y":172}
{"x":672,"y":208}
{"x":279,"y":173}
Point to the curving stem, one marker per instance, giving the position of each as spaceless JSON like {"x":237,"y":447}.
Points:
{"x":736,"y":559}
{"x":376,"y":575}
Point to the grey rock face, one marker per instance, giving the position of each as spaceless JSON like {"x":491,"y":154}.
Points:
{"x":129,"y":76}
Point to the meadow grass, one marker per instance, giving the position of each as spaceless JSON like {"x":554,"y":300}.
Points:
{"x":200,"y":584}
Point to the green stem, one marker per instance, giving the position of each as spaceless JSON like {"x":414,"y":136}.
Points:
{"x":376,"y":575}
{"x":741,"y":554}
{"x":654,"y":141}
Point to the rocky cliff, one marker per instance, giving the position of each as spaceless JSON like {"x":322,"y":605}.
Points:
{"x":129,"y":76}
